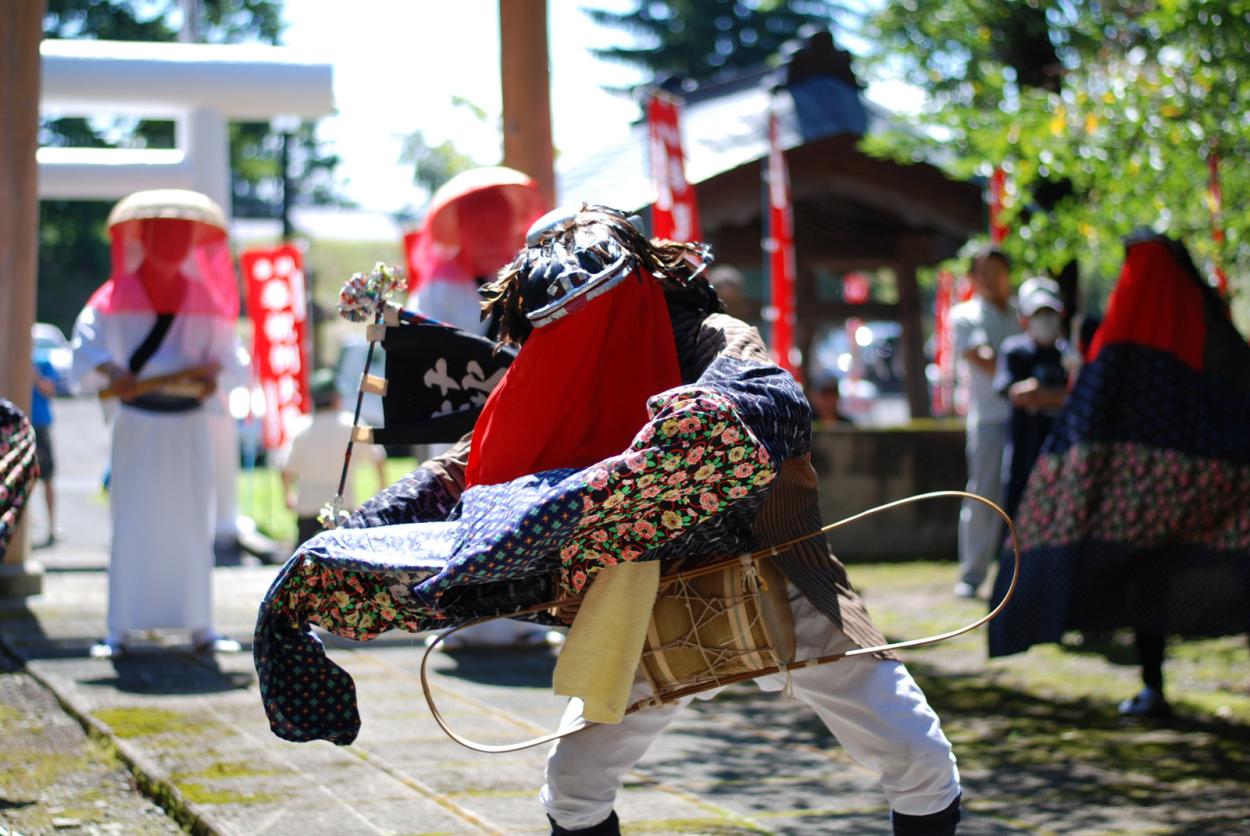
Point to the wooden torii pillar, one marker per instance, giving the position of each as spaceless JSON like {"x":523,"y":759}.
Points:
{"x":21,"y":29}
{"x":526,"y":88}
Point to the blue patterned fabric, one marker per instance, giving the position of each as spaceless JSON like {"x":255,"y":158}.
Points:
{"x":418,"y":497}
{"x":505,"y":547}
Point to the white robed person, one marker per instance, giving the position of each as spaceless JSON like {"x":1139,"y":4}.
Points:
{"x":154,"y":341}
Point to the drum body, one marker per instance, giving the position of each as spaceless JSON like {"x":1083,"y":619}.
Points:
{"x":712,"y":629}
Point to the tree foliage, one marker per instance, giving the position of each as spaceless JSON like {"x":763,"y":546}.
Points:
{"x":221,"y":21}
{"x":433,"y":165}
{"x":73,"y":253}
{"x":1104,"y":115}
{"x":701,"y":40}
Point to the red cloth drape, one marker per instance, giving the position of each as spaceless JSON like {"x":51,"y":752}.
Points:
{"x":577,"y":391}
{"x":1155,"y":303}
{"x":475,"y":224}
{"x":196,"y":275}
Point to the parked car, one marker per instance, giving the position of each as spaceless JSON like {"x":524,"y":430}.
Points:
{"x":49,"y":344}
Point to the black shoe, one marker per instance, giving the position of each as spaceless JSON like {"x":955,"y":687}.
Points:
{"x":942,"y":823}
{"x":611,"y":826}
{"x":1149,"y":703}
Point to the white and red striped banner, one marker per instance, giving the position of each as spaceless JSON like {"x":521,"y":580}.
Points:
{"x":943,"y":345}
{"x":276,"y":303}
{"x":675,"y":213}
{"x":780,"y":248}
{"x":1216,"y":202}
{"x":998,"y":192}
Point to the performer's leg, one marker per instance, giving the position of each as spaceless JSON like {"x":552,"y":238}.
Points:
{"x":877,"y":712}
{"x":979,"y":526}
{"x":1149,"y":701}
{"x":1150,"y":649}
{"x":584,"y":770}
{"x":881,"y":717}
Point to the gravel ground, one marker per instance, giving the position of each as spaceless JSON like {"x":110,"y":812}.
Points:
{"x":54,"y":779}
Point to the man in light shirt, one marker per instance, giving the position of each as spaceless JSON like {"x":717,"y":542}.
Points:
{"x":981,"y":325}
{"x":313,"y":459}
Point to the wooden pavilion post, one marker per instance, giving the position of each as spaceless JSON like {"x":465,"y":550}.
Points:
{"x":21,"y":29}
{"x":527,"y":92}
{"x":915,"y":382}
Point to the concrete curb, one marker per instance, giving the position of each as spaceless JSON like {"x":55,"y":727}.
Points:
{"x":147,"y":777}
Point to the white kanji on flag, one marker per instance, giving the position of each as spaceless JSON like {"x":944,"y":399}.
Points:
{"x":280,"y":327}
{"x":276,"y":295}
{"x":262,"y":269}
{"x":288,"y":389}
{"x":284,"y":359}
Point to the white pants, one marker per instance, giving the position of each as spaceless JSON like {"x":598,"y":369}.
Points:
{"x":980,"y":529}
{"x":873,"y":707}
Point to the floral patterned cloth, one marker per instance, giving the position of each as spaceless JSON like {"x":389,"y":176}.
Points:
{"x":696,"y":474}
{"x":18,"y":468}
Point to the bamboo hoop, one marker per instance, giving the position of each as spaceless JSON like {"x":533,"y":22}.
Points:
{"x":672,"y":696}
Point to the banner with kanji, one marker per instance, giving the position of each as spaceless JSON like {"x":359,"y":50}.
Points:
{"x":276,"y":303}
{"x":780,"y":248}
{"x":675,"y":213}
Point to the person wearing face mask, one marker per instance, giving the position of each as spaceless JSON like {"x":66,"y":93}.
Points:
{"x":1032,"y":375}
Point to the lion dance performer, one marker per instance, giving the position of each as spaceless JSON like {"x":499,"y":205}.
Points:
{"x":1137,"y":513}
{"x":157,"y":336}
{"x":636,"y":424}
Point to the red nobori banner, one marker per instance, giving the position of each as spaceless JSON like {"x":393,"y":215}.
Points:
{"x":1215,"y":197}
{"x":276,"y":303}
{"x":780,"y":247}
{"x":998,"y":197}
{"x":675,"y":213}
{"x":943,"y":347}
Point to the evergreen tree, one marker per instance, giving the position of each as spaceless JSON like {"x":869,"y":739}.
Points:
{"x":702,"y":40}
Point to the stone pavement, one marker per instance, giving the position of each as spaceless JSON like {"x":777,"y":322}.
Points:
{"x":191,"y":730}
{"x":1040,"y":748}
{"x":192,"y":727}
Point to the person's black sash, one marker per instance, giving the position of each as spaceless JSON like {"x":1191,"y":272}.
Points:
{"x":151,"y":342}
{"x":157,"y":402}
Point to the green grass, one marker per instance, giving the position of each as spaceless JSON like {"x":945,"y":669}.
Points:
{"x":1204,"y":677}
{"x":221,"y":769}
{"x":260,"y":494}
{"x":199,"y":794}
{"x":143,"y":722}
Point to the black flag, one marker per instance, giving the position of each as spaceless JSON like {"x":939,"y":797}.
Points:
{"x":438,"y":378}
